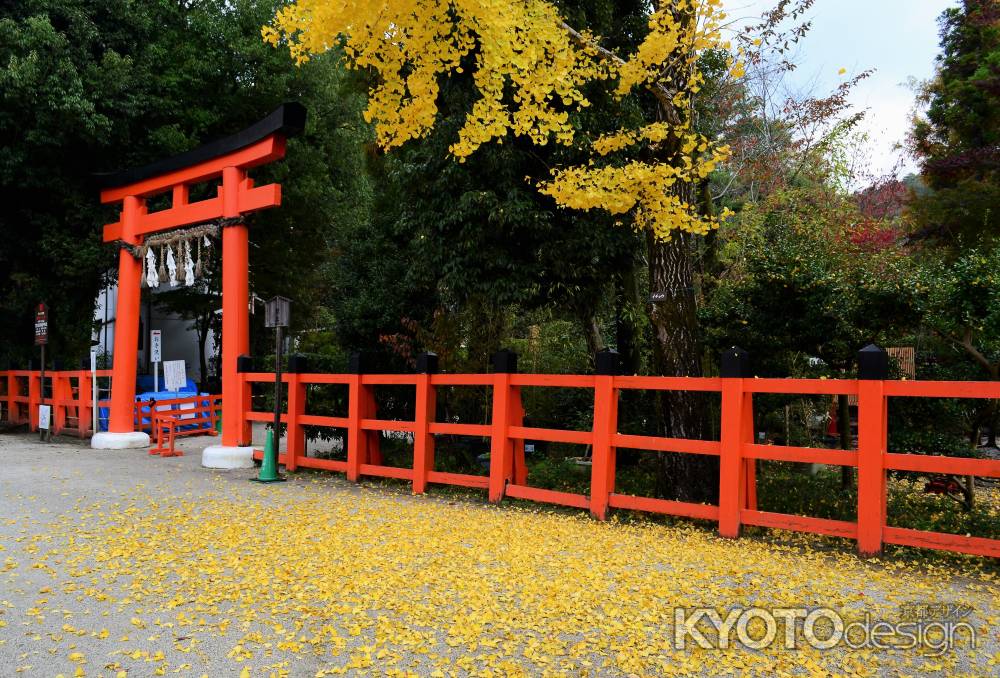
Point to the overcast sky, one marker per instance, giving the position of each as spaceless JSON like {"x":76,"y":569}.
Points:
{"x":898,"y":38}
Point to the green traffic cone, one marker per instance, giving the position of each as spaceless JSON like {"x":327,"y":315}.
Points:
{"x":269,"y":466}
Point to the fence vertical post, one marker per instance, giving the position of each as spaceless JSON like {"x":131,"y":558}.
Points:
{"x":60,"y":388}
{"x":242,"y":394}
{"x":603,"y":457}
{"x":518,"y":470}
{"x":83,"y":398}
{"x":749,"y":465}
{"x":12,"y":393}
{"x":295,"y":436}
{"x":357,"y":441}
{"x":426,"y":405}
{"x":34,"y":398}
{"x":873,"y":370}
{"x":734,"y":368}
{"x":501,"y":446}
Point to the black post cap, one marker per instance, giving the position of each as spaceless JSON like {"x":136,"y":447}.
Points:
{"x":608,"y":363}
{"x":427,"y":363}
{"x":505,"y":361}
{"x":359,"y":363}
{"x":873,"y":363}
{"x":298,"y":364}
{"x":244,"y":363}
{"x":735,"y":364}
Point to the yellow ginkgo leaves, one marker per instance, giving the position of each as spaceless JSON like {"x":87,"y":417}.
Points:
{"x":530,"y":69}
{"x":317,"y":578}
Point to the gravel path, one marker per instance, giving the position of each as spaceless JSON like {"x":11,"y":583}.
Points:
{"x":115,"y":563}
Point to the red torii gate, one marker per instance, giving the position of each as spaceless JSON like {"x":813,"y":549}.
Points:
{"x":229,"y":159}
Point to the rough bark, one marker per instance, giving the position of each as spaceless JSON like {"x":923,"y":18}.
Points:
{"x":202,"y":327}
{"x":677,"y":352}
{"x":592,"y":333}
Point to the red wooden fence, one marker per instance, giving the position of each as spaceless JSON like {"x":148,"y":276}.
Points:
{"x":68,"y":392}
{"x":737,"y":450}
{"x":70,"y":397}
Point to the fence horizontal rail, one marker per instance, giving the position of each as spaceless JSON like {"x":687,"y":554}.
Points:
{"x":960,"y":466}
{"x":657,"y":444}
{"x":804,"y":455}
{"x":669,"y":383}
{"x":802,"y":386}
{"x":943,"y":389}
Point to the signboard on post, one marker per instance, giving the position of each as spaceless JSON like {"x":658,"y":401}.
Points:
{"x":155,"y":346}
{"x":155,"y":356}
{"x":41,"y":325}
{"x":44,"y":417}
{"x":174,"y":375}
{"x":41,"y":339}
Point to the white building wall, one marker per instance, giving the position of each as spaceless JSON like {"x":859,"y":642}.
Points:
{"x":179,"y":339}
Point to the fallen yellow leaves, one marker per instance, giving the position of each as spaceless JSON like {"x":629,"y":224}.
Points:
{"x":306,"y":579}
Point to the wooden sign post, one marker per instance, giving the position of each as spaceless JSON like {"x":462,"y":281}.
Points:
{"x":41,"y":339}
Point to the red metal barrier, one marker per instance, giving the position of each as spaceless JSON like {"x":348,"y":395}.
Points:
{"x":736,"y":449}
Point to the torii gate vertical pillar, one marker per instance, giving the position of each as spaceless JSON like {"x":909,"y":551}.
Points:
{"x":121,"y":433}
{"x":235,"y":311}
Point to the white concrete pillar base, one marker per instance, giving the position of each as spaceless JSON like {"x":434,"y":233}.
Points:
{"x":105,"y":440}
{"x":220,"y":456}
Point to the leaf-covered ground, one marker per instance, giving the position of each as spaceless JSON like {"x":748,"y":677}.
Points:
{"x":117,"y":564}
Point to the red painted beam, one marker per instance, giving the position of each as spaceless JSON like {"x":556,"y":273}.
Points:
{"x":264,"y":151}
{"x":547,"y":496}
{"x":960,"y":466}
{"x":671,"y":508}
{"x":657,"y":444}
{"x":784,"y":521}
{"x":462,"y":479}
{"x":977,"y":546}
{"x":805,"y":455}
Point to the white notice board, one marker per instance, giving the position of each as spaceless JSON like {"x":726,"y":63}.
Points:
{"x":174,"y":375}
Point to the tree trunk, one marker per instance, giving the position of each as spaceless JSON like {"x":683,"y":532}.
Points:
{"x":592,"y":333}
{"x":202,"y":331}
{"x":674,"y":318}
{"x":627,"y":310}
{"x":677,"y":352}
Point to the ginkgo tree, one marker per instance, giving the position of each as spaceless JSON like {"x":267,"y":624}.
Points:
{"x":532,"y":72}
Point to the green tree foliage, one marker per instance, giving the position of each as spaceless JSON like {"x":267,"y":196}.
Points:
{"x":800,"y":280}
{"x":958,"y":140}
{"x":960,"y":302}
